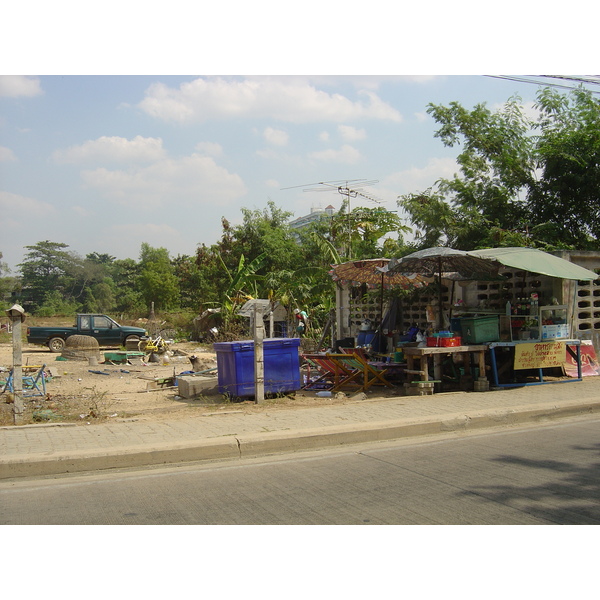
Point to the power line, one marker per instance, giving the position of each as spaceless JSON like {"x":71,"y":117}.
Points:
{"x":542,"y":80}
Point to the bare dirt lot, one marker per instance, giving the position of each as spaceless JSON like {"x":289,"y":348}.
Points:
{"x":75,"y":393}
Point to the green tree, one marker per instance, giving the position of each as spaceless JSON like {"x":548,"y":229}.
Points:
{"x":49,"y":269}
{"x":496,"y":167}
{"x":157,"y":280}
{"x":126,"y":279}
{"x":520,"y":182}
{"x":566,"y":202}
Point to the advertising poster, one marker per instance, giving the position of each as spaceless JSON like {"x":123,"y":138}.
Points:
{"x":589,"y":362}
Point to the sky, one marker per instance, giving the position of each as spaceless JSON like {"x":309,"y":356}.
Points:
{"x":102,"y":159}
{"x":105,"y":163}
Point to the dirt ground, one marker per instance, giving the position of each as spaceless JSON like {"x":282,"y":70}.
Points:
{"x":75,"y":394}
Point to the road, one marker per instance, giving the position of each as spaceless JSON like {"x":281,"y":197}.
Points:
{"x":544,"y":475}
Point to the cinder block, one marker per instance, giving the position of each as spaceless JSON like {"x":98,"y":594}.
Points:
{"x":190,"y":386}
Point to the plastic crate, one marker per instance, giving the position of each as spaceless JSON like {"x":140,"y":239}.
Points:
{"x":476,"y":330}
{"x":235,"y":366}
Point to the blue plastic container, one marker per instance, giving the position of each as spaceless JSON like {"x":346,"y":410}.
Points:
{"x":365,"y":338}
{"x":235,"y":366}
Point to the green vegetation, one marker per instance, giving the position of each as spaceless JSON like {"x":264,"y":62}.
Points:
{"x":520,"y":180}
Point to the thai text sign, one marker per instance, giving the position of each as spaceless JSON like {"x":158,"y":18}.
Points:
{"x":540,"y":355}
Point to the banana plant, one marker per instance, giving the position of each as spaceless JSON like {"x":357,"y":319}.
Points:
{"x":242,"y":285}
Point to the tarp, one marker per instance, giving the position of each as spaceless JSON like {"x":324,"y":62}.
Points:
{"x":537,"y":261}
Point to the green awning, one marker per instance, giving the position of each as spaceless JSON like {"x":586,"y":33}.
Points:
{"x":536,"y":261}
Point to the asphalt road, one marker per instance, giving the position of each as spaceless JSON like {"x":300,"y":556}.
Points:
{"x":544,"y":475}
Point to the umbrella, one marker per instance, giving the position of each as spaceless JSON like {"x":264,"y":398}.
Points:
{"x":537,"y":261}
{"x":357,"y":272}
{"x":371,"y":272}
{"x":449,"y":263}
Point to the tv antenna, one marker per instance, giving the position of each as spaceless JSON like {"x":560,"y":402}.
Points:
{"x":352,"y":188}
{"x":349,"y":188}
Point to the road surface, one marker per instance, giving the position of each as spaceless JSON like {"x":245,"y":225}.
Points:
{"x":543,"y":475}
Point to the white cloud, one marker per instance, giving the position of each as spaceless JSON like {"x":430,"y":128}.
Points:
{"x":346,"y":154}
{"x":113,"y":149}
{"x":209,"y":148}
{"x":150,"y":230}
{"x":22,"y":205}
{"x":6,"y":154}
{"x":417,"y":179}
{"x":276,"y":137}
{"x":13,"y":86}
{"x":192,"y":180}
{"x":351,"y":134}
{"x":81,"y":211}
{"x":284,"y":99}
{"x":324,"y":136}
{"x":273,"y":183}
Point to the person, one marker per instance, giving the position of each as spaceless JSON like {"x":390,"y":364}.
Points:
{"x":301,"y":321}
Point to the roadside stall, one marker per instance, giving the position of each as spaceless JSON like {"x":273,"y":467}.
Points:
{"x":520,"y":311}
{"x":536,"y":330}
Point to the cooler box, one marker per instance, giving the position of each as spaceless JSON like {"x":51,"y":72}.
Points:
{"x":235,"y":366}
{"x":476,"y":330}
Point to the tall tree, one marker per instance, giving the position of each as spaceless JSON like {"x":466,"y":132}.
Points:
{"x":567,"y":200}
{"x":157,"y":279}
{"x":520,"y":181}
{"x":49,"y":269}
{"x":495,"y":165}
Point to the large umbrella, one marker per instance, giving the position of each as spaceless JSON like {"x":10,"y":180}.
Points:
{"x":537,"y":261}
{"x":442,"y":262}
{"x":372,"y":272}
{"x":357,"y":272}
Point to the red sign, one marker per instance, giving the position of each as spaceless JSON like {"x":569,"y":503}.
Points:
{"x":589,"y":362}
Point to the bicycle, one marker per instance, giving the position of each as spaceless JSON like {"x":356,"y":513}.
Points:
{"x":157,"y":345}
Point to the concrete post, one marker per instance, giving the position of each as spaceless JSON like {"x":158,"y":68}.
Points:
{"x":17,"y":316}
{"x":259,"y":364}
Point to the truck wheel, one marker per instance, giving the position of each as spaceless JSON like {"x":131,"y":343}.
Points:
{"x":133,"y":339}
{"x":56,"y":344}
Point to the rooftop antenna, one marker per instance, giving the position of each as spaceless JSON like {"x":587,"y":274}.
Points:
{"x":351,"y":188}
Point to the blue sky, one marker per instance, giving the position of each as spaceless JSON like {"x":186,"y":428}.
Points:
{"x":104,"y":163}
{"x":103,"y":160}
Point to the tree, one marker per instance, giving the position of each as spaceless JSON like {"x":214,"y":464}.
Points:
{"x":157,"y":280}
{"x":496,"y":166}
{"x":48,"y":268}
{"x":568,"y":155}
{"x":520,"y":182}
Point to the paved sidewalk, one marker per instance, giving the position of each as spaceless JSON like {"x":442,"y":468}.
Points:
{"x":36,"y":450}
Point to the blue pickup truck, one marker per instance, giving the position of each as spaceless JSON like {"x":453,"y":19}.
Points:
{"x":106,"y":330}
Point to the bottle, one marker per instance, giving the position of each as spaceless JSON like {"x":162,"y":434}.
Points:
{"x":508,"y":309}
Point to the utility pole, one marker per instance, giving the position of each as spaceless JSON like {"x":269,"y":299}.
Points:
{"x":17,"y":316}
{"x":259,"y":357}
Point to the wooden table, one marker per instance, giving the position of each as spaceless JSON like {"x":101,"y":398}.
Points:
{"x":422,"y":354}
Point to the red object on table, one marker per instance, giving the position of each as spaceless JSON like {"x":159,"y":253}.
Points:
{"x":444,"y":342}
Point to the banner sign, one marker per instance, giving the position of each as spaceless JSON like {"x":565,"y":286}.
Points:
{"x":589,"y":362}
{"x":540,"y":355}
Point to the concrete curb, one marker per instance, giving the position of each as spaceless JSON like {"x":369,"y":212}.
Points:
{"x":256,"y":445}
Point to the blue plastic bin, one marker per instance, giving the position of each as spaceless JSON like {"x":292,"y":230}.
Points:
{"x":235,"y":366}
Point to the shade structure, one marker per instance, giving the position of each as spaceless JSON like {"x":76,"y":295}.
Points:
{"x":438,"y":261}
{"x":537,"y":261}
{"x":358,"y":272}
{"x":373,"y":272}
